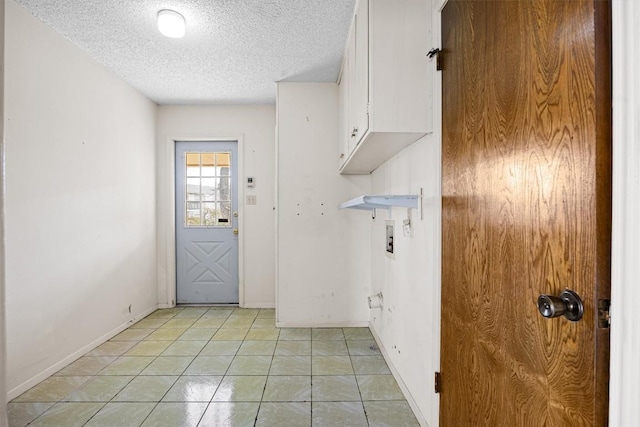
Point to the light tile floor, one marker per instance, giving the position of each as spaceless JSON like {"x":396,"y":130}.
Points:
{"x":220,"y":367}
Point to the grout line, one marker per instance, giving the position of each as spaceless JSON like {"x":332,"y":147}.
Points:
{"x":138,"y":375}
{"x":366,"y":416}
{"x":221,"y":377}
{"x":311,"y":372}
{"x":208,"y":341}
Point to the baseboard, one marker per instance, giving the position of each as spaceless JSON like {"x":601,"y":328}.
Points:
{"x":165,"y":306}
{"x":251,"y":305}
{"x":322,"y":325}
{"x":36,"y":379}
{"x":204,"y":305}
{"x":407,"y":394}
{"x":259,"y":305}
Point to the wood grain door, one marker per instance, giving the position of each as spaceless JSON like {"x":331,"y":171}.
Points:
{"x":526,"y":211}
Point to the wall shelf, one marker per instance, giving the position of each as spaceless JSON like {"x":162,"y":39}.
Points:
{"x":381,"y":202}
{"x":373,"y":202}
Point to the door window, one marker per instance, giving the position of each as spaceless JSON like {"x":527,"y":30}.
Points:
{"x":207,"y":200}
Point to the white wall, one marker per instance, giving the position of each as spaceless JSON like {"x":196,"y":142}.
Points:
{"x":256,"y":125}
{"x":323,"y":276}
{"x":3,"y":349}
{"x":80,"y":201}
{"x":625,"y":292}
{"x":408,"y":326}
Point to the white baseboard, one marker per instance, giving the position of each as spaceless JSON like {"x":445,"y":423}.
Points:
{"x":251,"y":305}
{"x":407,"y":394}
{"x":259,"y":305}
{"x":36,"y":379}
{"x":322,"y":325}
{"x":165,"y":306}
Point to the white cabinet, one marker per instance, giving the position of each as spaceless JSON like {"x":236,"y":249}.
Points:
{"x":345,"y":101}
{"x":359,"y":99}
{"x":386,"y":83}
{"x":354,"y":91}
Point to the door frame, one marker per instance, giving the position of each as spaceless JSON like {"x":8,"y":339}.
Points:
{"x":624,"y":372}
{"x":167,"y":218}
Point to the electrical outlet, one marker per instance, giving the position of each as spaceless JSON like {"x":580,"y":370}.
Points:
{"x":252,"y":199}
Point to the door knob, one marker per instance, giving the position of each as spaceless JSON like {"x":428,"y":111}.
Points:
{"x":568,"y":304}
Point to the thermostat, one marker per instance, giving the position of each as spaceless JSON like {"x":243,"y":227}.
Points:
{"x":251,"y":181}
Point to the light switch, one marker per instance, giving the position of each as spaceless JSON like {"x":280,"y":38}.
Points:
{"x":251,"y":199}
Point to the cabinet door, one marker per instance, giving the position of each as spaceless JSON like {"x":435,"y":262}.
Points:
{"x":353,"y":135}
{"x":360,"y":82}
{"x":344,"y":134}
{"x":400,"y":84}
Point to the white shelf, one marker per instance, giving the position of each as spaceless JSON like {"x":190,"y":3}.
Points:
{"x":370,"y":203}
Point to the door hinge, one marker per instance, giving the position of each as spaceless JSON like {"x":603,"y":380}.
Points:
{"x":437,"y":382}
{"x":604,"y":313}
{"x":438,"y":54}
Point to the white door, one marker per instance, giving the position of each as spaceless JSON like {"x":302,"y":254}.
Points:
{"x":207,"y":222}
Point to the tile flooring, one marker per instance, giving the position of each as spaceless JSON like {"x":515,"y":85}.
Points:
{"x":220,"y":367}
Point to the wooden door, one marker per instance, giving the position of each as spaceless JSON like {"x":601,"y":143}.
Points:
{"x":526,"y":211}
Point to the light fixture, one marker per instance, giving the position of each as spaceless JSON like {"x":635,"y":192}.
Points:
{"x":171,"y":23}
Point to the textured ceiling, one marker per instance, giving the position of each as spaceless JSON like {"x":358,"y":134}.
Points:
{"x":233,"y":52}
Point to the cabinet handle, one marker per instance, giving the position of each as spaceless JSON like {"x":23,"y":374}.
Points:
{"x":354,"y":132}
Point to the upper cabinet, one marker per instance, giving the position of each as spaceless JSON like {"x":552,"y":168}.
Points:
{"x":385,"y":84}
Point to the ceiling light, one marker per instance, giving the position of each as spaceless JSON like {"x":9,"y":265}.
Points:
{"x":171,"y":23}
